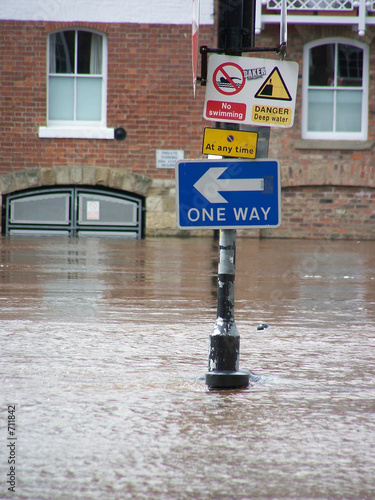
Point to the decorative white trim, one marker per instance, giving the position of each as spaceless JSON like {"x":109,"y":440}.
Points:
{"x":76,"y":133}
{"x":315,"y":5}
{"x":361,"y":11}
{"x":107,"y":11}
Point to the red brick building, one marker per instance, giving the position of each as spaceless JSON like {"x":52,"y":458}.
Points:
{"x":93,"y":114}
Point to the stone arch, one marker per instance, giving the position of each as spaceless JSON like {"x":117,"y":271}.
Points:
{"x":115,"y":178}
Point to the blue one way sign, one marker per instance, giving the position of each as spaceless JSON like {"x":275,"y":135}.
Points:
{"x":228,"y":194}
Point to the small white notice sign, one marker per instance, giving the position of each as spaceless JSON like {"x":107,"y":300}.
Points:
{"x":93,"y":210}
{"x":167,"y":158}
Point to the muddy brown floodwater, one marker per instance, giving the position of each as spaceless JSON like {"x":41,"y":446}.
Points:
{"x":103,"y":342}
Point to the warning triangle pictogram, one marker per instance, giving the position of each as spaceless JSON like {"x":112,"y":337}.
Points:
{"x":274,"y":87}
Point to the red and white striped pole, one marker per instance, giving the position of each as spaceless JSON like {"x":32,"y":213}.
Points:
{"x":194,"y":42}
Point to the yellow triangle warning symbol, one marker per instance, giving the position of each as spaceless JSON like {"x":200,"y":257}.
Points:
{"x":274,"y":87}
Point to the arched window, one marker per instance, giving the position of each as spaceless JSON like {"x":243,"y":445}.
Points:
{"x":77,"y":83}
{"x":335,"y":90}
{"x":73,"y":211}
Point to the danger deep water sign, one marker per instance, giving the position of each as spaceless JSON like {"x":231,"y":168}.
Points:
{"x":251,"y":91}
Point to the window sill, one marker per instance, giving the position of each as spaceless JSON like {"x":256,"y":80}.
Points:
{"x":76,"y":133}
{"x":343,"y":145}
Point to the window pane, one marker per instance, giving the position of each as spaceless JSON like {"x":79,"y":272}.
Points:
{"x":350,"y":62}
{"x":89,"y":99}
{"x":320,"y":115}
{"x":61,"y":98}
{"x":62,"y":52}
{"x":89,"y":53}
{"x":41,"y":209}
{"x":101,"y":210}
{"x":322,"y":64}
{"x":348,"y":111}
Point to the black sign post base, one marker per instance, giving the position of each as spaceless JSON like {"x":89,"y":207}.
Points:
{"x":227,"y":380}
{"x":223,"y":362}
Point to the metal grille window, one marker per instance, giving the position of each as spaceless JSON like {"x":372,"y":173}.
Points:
{"x":335,"y":90}
{"x":74,"y":211}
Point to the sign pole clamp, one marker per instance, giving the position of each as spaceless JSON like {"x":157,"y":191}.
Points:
{"x":204,"y":51}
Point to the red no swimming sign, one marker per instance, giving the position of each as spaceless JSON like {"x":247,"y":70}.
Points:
{"x":228,"y":78}
{"x":226,"y":111}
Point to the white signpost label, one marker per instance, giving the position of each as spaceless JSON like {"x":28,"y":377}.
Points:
{"x":251,"y":91}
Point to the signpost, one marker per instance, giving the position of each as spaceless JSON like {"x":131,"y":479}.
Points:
{"x":232,"y":143}
{"x":228,"y":194}
{"x":251,"y":91}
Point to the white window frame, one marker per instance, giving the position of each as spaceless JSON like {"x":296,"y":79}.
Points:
{"x":78,"y":129}
{"x":354,"y":136}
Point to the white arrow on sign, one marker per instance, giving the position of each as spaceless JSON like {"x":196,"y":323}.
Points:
{"x":209,"y":185}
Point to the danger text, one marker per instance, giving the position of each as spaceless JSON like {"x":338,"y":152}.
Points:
{"x":272,"y":114}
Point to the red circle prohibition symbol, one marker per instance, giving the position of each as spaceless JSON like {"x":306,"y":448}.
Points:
{"x":228,"y":85}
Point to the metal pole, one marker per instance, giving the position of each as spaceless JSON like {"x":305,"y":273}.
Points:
{"x":236,"y":25}
{"x":223,"y":364}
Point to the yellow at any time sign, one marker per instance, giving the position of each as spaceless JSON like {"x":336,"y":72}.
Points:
{"x":251,"y":91}
{"x":233,"y":143}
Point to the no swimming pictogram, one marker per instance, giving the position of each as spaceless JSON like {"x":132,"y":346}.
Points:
{"x":228,"y":78}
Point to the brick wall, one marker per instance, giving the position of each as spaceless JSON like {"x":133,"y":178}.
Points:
{"x":149,"y":95}
{"x":326,"y":193}
{"x":333,"y":212}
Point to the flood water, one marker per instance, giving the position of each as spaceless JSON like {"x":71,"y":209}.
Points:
{"x":103,"y":343}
